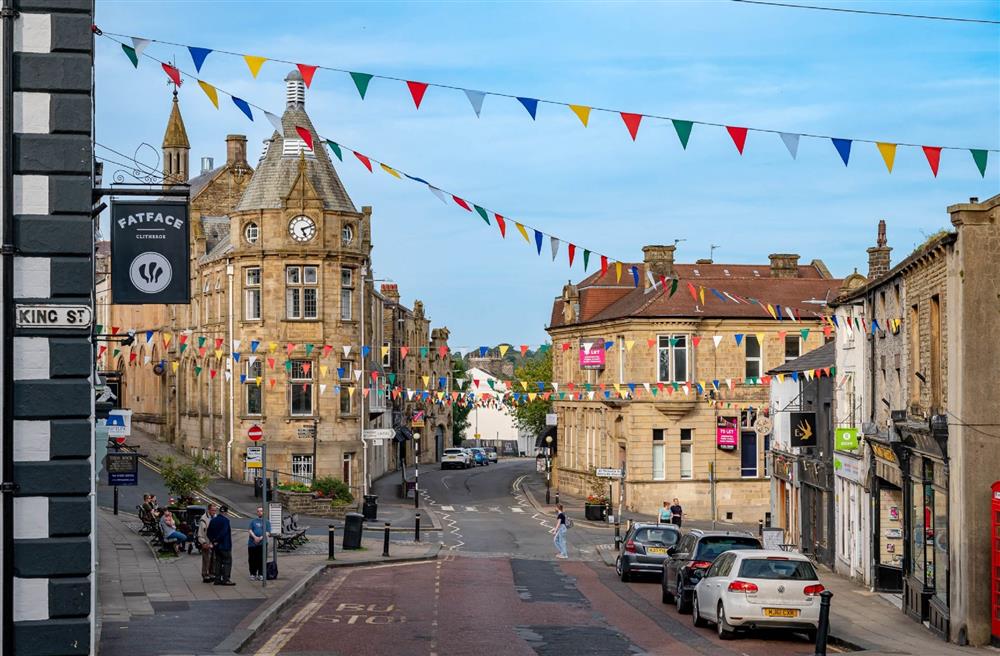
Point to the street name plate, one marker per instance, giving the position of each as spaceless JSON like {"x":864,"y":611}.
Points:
{"x":378,"y":433}
{"x":53,"y":316}
{"x":609,"y":473}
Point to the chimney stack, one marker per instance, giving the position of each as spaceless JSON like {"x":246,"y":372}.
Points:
{"x":236,"y":149}
{"x":878,"y":255}
{"x":659,"y":260}
{"x":391,"y":291}
{"x":784,"y":265}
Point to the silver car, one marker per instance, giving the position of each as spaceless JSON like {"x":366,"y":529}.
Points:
{"x":644,"y":549}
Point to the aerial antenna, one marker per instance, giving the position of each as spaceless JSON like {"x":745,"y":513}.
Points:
{"x":677,"y":241}
{"x":711,"y":251}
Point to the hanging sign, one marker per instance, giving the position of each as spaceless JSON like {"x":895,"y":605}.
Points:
{"x":803,"y":429}
{"x":150,"y":252}
{"x":846,"y":439}
{"x":119,"y":423}
{"x":122,"y":468}
{"x":726,"y":433}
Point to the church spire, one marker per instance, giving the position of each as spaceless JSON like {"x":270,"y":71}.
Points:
{"x":176,"y":148}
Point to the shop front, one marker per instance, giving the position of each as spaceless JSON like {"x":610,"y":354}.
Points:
{"x":888,"y":511}
{"x":816,"y":493}
{"x":851,"y":512}
{"x":785,"y":494}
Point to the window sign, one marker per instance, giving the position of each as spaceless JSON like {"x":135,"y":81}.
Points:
{"x":592,"y":353}
{"x":726,"y":433}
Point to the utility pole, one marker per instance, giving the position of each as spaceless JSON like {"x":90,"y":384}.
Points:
{"x":416,"y":470}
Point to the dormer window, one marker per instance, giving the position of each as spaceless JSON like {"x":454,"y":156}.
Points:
{"x":251,"y":233}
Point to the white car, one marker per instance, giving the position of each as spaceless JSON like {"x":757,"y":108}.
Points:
{"x":455,"y":458}
{"x":751,"y":589}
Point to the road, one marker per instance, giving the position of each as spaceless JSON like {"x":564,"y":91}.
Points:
{"x":496,"y":590}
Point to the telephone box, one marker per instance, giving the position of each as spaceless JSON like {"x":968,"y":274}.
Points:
{"x":995,"y":570}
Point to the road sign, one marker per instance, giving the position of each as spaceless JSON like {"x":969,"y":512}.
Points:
{"x":255,"y":432}
{"x":604,"y":472}
{"x":53,"y":316}
{"x":119,"y":423}
{"x":378,"y":434}
{"x":122,"y":468}
{"x":255,"y":457}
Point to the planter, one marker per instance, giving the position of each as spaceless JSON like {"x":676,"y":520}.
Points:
{"x":595,"y":512}
{"x":307,"y":503}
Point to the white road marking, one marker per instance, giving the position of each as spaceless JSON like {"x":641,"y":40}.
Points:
{"x":495,"y":509}
{"x":448,"y":508}
{"x":471,"y":509}
{"x":287,"y":632}
{"x":516,"y":509}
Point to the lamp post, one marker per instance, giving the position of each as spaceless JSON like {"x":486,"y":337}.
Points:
{"x":548,"y":469}
{"x":416,"y":470}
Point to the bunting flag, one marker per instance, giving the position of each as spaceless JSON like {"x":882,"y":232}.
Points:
{"x":254,"y":64}
{"x":582,"y":112}
{"x":417,"y":90}
{"x":502,"y":225}
{"x":210,"y":91}
{"x":530,"y":104}
{"x":364,"y":160}
{"x":336,"y":150}
{"x":538,"y":241}
{"x":979,"y":156}
{"x":888,"y":152}
{"x":275,"y":122}
{"x":306,"y":136}
{"x":361,"y":81}
{"x":791,"y":142}
{"x":683,"y":129}
{"x":739,"y":137}
{"x":476,"y":100}
{"x":933,"y":155}
{"x":131,"y":54}
{"x":632,"y":123}
{"x":307,"y":73}
{"x":198,"y":56}
{"x":843,"y":147}
{"x":243,"y":106}
{"x":554,"y":244}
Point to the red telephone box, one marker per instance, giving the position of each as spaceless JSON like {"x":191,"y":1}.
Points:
{"x":995,"y":573}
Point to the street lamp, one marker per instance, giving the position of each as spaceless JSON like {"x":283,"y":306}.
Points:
{"x":548,"y":469}
{"x":416,"y":470}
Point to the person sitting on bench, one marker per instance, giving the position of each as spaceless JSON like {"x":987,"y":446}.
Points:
{"x":170,"y":532}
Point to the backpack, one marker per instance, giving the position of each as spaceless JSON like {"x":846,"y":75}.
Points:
{"x":569,"y":522}
{"x":272,"y":570}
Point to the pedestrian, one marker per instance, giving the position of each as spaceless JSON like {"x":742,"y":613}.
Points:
{"x":255,"y":545}
{"x":207,"y":554}
{"x":560,"y":532}
{"x":676,"y":513}
{"x":170,"y":533}
{"x":664,"y":516}
{"x":221,"y":535}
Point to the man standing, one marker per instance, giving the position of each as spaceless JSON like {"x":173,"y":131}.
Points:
{"x":255,"y":546}
{"x":207,"y":555}
{"x":676,"y":513}
{"x":221,"y":536}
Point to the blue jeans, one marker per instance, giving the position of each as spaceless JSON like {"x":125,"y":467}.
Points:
{"x":560,"y":539}
{"x":176,"y":536}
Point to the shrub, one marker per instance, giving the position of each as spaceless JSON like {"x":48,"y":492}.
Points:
{"x":182,"y":480}
{"x":294,"y":487}
{"x":335,"y":489}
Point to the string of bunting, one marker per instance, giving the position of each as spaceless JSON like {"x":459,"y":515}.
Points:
{"x":538,"y":237}
{"x":632,"y":120}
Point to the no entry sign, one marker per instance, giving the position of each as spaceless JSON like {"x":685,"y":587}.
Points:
{"x":255,"y":432}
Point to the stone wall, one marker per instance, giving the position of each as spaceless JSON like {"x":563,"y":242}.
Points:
{"x":305,"y":503}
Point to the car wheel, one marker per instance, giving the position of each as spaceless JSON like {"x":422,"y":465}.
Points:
{"x":666,"y":596}
{"x":696,"y":618}
{"x":623,"y":571}
{"x":683,"y":603}
{"x":724,"y":630}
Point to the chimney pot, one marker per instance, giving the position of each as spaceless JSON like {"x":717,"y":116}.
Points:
{"x":784,"y":265}
{"x":207,"y":164}
{"x":236,"y":149}
{"x":659,"y":261}
{"x":973,"y":199}
{"x":878,"y":255}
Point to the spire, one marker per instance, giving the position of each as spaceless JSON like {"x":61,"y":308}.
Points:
{"x":175,"y":136}
{"x":176,"y":148}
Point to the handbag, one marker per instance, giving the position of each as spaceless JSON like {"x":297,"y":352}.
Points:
{"x":272,"y":570}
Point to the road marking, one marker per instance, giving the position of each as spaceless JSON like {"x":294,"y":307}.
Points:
{"x":448,"y":508}
{"x":516,"y":509}
{"x":471,"y":509}
{"x":289,"y":631}
{"x":495,"y":509}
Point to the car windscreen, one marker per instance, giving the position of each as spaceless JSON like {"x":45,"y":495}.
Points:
{"x":712,"y":546}
{"x":657,"y":537}
{"x":776,"y":568}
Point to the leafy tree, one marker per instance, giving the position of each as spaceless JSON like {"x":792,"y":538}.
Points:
{"x":536,"y":368}
{"x":182,"y":480}
{"x":459,"y":413}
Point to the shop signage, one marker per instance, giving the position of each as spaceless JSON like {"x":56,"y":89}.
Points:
{"x":53,"y":316}
{"x":784,"y":468}
{"x":883,"y":452}
{"x":845,"y":439}
{"x":608,"y":473}
{"x":150,"y":252}
{"x":847,"y":467}
{"x":551,"y":419}
{"x":122,"y":468}
{"x":727,"y":432}
{"x":592,"y":353}
{"x":803,"y":429}
{"x":119,"y":423}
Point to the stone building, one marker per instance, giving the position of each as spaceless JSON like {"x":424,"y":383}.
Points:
{"x":704,"y":352}
{"x":284,"y":328}
{"x":926,"y":405}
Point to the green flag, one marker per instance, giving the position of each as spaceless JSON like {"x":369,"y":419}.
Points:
{"x":483,"y":214}
{"x":980,"y":158}
{"x":673,"y":287}
{"x":361,"y":81}
{"x":683,"y":129}
{"x":130,"y":51}
{"x":197,"y":370}
{"x":336,"y":149}
{"x":586,"y":259}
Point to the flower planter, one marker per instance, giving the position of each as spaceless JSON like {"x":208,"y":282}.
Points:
{"x":595,"y":512}
{"x":307,"y":503}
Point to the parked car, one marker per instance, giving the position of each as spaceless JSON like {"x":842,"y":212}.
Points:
{"x":491,"y":453}
{"x":455,"y":459}
{"x":759,"y":589}
{"x":644,"y":549}
{"x":696,"y":551}
{"x":479,"y":457}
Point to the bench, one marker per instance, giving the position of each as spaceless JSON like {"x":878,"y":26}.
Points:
{"x":291,"y":536}
{"x":150,"y":527}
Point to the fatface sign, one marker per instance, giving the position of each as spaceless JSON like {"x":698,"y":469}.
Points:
{"x":150,"y":252}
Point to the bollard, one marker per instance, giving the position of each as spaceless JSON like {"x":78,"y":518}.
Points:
{"x":824,"y":622}
{"x":557,"y":496}
{"x":385,"y":542}
{"x":760,"y":528}
{"x":333,"y":536}
{"x":618,"y":532}
{"x":416,"y":529}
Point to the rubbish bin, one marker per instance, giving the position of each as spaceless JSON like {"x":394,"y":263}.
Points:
{"x":258,"y":487}
{"x":353,"y":523}
{"x":370,"y":507}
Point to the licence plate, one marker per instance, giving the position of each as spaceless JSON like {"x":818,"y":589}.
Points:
{"x":781,"y":612}
{"x":656,"y":550}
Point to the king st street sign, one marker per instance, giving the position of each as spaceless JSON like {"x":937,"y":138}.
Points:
{"x":150,"y":252}
{"x":53,"y":316}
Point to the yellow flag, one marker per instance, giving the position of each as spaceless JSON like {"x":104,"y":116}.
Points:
{"x":770,"y":311}
{"x":254,"y":63}
{"x":701,"y":294}
{"x":531,"y":396}
{"x":426,"y":380}
{"x":323,"y":369}
{"x":888,"y":151}
{"x":618,"y":271}
{"x":350,"y":391}
{"x":582,"y":112}
{"x":272,"y":346}
{"x":629,"y":343}
{"x":760,"y":338}
{"x":174,"y":365}
{"x":210,"y":91}
{"x":391,"y":171}
{"x":524,"y":385}
{"x":166,"y":339}
{"x":218,"y":354}
{"x":503,"y":349}
{"x":781,"y":378}
{"x":258,"y":380}
{"x":524,"y":233}
{"x":618,"y":388}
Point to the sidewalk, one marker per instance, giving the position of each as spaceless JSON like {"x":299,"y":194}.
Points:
{"x":140,"y":595}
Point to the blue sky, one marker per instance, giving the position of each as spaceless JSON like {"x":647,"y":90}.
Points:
{"x":852,"y":76}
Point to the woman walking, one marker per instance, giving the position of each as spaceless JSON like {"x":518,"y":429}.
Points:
{"x":560,"y":533}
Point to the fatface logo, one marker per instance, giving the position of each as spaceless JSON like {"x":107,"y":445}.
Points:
{"x":150,"y":272}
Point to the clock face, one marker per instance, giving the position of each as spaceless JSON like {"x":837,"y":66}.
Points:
{"x":302,"y":228}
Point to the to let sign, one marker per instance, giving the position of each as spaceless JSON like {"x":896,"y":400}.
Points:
{"x":726,"y":433}
{"x":592,"y":353}
{"x":53,"y":316}
{"x":150,"y":252}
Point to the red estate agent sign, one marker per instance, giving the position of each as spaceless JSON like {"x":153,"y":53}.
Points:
{"x":255,"y":432}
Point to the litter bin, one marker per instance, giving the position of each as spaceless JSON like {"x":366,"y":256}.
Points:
{"x":353,"y":525}
{"x":370,"y":507}
{"x":258,"y":487}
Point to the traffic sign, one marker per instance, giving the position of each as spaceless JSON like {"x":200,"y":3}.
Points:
{"x":255,"y":457}
{"x":255,"y":432}
{"x":378,"y":433}
{"x":609,"y":473}
{"x":119,"y":440}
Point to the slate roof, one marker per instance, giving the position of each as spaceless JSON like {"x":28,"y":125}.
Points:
{"x":820,"y":358}
{"x":217,"y":239}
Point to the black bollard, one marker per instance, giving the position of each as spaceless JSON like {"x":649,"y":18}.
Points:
{"x":416,"y":529}
{"x":824,"y":622}
{"x":385,"y":542}
{"x":618,"y":534}
{"x":333,"y":536}
{"x":760,"y":528}
{"x":557,"y":496}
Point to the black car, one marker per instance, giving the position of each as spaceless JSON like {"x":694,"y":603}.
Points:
{"x":696,"y":551}
{"x":645,"y":548}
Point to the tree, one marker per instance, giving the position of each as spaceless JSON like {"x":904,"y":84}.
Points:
{"x":537,"y":368}
{"x":459,"y":413}
{"x":182,"y":481}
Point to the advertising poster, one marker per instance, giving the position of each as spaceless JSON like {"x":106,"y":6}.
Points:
{"x":727,"y":433}
{"x":592,"y":353}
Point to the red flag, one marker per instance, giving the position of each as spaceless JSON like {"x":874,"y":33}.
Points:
{"x":306,"y":367}
{"x":461,"y":203}
{"x":218,"y":342}
{"x":306,"y":136}
{"x":307,"y":73}
{"x":131,"y":357}
{"x":417,"y":90}
{"x":694,"y":292}
{"x":101,"y":350}
{"x":696,"y":340}
{"x":403,"y":350}
{"x":114,"y":330}
{"x":933,"y":155}
{"x":442,"y":351}
{"x":604,"y":265}
{"x":212,"y":373}
{"x":326,"y":350}
{"x":364,"y":160}
{"x":566,"y":346}
{"x":651,"y":342}
{"x":632,"y":123}
{"x":270,"y":363}
{"x":502,"y":225}
{"x":172,"y":73}
{"x":290,"y":347}
{"x":374,"y":375}
{"x":739,"y":136}
{"x":572,"y":252}
{"x":524,"y":350}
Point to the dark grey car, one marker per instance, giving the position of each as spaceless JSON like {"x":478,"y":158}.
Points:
{"x":645,"y":548}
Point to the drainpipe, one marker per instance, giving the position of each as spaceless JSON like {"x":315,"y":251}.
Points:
{"x":232,"y":374}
